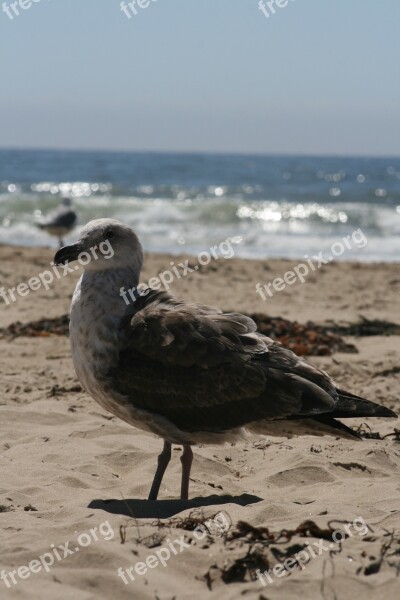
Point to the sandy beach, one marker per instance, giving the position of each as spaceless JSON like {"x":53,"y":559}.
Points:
{"x":76,"y":478}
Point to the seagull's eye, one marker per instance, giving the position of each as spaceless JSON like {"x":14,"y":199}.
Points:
{"x":109,"y":234}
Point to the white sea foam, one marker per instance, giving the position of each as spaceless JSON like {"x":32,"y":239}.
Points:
{"x":268,"y":228}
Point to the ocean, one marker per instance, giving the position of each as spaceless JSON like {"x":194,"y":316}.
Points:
{"x":270,"y":206}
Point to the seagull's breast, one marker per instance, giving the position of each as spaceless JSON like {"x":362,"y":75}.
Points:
{"x":95,"y":337}
{"x":91,"y":343}
{"x":94,"y":327}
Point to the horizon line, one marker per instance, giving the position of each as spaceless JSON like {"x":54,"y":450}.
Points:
{"x":199,"y":152}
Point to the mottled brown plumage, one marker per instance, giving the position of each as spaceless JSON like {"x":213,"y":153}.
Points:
{"x":208,"y":371}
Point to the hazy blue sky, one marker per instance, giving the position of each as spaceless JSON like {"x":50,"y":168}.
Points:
{"x":319,"y":76}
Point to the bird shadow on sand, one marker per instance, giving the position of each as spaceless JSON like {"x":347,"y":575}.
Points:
{"x":163,"y":509}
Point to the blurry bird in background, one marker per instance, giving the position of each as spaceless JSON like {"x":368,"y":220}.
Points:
{"x":61,"y":221}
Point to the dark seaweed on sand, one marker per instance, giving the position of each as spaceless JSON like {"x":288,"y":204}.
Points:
{"x":307,"y":339}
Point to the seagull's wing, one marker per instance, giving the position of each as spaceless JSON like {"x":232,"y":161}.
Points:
{"x":60,"y":218}
{"x":191,"y":335}
{"x":205,"y":370}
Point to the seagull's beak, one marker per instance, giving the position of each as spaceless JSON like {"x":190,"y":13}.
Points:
{"x":67,"y":254}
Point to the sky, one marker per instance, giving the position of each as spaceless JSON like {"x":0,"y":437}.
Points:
{"x":316,"y":77}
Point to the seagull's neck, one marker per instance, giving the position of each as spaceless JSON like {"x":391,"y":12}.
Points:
{"x":104,"y":289}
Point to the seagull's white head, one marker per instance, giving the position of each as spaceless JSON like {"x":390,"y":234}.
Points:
{"x":104,"y":244}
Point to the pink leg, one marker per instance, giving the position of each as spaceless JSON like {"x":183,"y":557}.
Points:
{"x":162,"y":461}
{"x":186,"y":460}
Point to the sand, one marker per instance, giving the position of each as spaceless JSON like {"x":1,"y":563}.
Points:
{"x":74,"y":479}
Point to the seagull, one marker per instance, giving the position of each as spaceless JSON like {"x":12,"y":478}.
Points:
{"x":189,"y":373}
{"x":61,"y":221}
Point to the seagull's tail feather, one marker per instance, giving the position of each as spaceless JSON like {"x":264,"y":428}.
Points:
{"x":341,"y":427}
{"x":350,"y":405}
